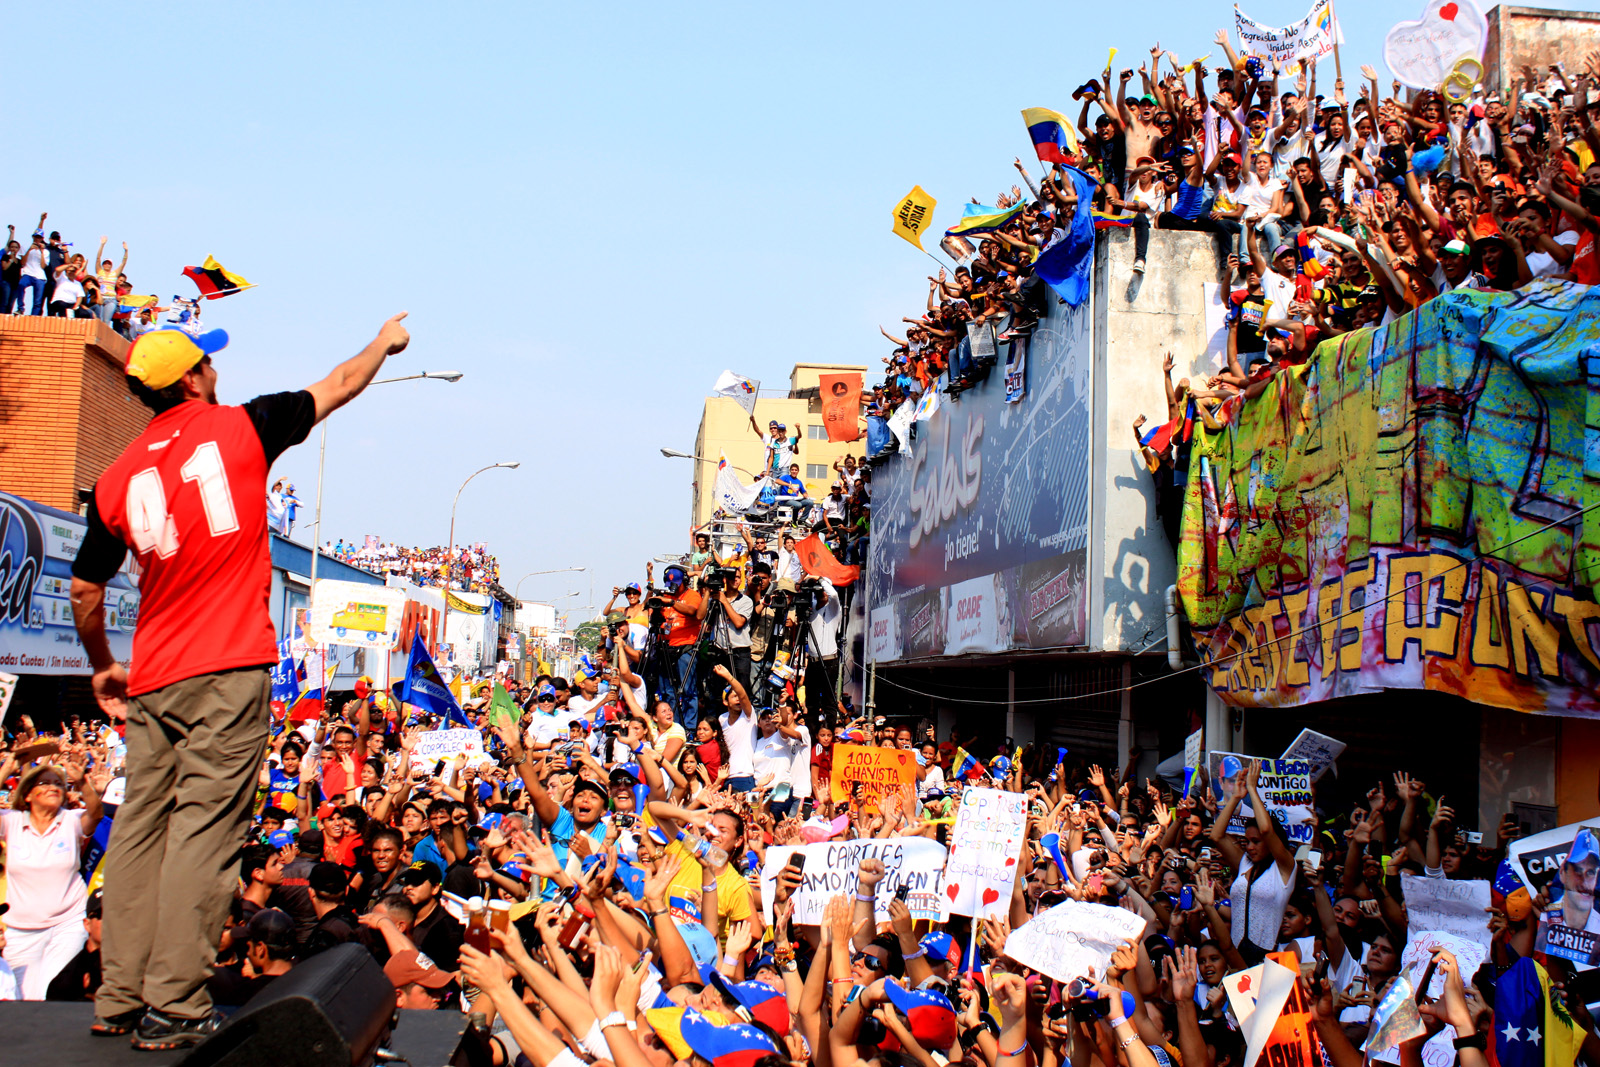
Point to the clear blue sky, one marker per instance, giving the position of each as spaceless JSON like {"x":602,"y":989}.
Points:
{"x":590,"y":209}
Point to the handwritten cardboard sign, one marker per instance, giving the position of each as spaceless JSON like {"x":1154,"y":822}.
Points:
{"x":1072,"y":939}
{"x":1319,"y":750}
{"x":1457,"y":906}
{"x":985,"y":847}
{"x":864,"y":774}
{"x":435,"y":745}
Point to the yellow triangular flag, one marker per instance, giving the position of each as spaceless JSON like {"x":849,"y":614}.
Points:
{"x":912,"y":215}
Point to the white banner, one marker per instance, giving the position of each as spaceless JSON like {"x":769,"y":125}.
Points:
{"x":732,"y":495}
{"x":900,"y":426}
{"x":436,"y":745}
{"x":985,"y":845}
{"x":1072,"y":939}
{"x":1311,"y":38}
{"x":831,"y":867}
{"x":352,"y":613}
{"x":741,"y":389}
{"x":1458,"y":906}
{"x":1439,"y":1050}
{"x":8,"y":686}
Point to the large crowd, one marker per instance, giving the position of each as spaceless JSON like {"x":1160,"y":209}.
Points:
{"x":592,"y":872}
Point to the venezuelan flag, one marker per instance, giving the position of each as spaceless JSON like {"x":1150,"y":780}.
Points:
{"x":129,"y":303}
{"x":1104,"y":220}
{"x":1309,"y":266}
{"x":1053,"y":138}
{"x":975,"y":218}
{"x":967,"y":765}
{"x":1159,"y":438}
{"x":213,"y":280}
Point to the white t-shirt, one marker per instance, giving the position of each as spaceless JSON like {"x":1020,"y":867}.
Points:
{"x":740,"y":734}
{"x":825,"y":622}
{"x":68,"y":289}
{"x":546,"y":728}
{"x":933,"y":780}
{"x":1257,"y":195}
{"x":800,"y":765}
{"x":773,"y":755}
{"x":33,"y":262}
{"x":42,"y":882}
{"x":1540,"y":264}
{"x":580,"y":705}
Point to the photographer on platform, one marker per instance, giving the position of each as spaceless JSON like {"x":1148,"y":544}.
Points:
{"x":730,"y":636}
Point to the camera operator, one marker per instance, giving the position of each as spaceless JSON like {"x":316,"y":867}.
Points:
{"x":683,"y":609}
{"x":731,"y":634}
{"x":823,"y":667}
{"x":762,"y":617}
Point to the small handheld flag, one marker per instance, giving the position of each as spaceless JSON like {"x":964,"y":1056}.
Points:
{"x":976,"y":218}
{"x":912,"y":215}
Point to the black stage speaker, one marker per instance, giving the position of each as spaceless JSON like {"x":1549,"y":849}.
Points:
{"x":333,"y":1009}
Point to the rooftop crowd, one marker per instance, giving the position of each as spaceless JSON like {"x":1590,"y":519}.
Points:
{"x":1337,"y":208}
{"x":44,"y":276}
{"x":473,"y":569}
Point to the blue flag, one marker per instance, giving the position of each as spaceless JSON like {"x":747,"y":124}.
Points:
{"x":424,"y":687}
{"x":1064,"y":266}
{"x":285,"y":676}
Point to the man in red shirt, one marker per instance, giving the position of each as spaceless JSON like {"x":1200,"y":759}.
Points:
{"x":683,"y":617}
{"x":189,"y":497}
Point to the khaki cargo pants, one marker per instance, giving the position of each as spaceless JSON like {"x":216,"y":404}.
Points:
{"x":194,"y":756}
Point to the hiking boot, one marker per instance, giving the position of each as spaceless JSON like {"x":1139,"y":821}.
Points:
{"x":119,"y":1025}
{"x":159,"y":1031}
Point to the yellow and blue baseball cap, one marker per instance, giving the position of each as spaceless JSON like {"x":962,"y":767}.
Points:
{"x":163,"y":356}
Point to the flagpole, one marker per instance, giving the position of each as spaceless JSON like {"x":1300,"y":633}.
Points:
{"x":1333,"y":35}
{"x":228,"y":292}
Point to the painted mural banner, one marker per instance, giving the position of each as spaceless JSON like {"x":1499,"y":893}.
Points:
{"x":37,"y":635}
{"x":1410,"y":509}
{"x":980,"y":534}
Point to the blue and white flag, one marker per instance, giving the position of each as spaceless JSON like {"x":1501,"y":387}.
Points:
{"x":425,"y":688}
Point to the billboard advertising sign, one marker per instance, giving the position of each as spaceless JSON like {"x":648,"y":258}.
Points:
{"x":37,"y":636}
{"x":980,"y":536}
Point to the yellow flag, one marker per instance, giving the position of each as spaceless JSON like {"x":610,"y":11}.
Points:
{"x":913,"y":214}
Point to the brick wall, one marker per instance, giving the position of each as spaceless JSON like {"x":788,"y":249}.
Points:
{"x":65,"y":413}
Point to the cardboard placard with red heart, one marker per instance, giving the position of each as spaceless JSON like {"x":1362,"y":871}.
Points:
{"x":985,"y":845}
{"x":1422,"y":54}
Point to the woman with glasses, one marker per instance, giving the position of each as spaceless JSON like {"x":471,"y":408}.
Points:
{"x":44,"y":839}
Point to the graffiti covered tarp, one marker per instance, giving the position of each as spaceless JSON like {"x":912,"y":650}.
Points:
{"x":1407,"y":511}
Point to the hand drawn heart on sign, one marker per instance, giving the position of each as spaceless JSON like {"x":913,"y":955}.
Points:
{"x":952,"y":891}
{"x":1422,"y":53}
{"x":989,"y":897}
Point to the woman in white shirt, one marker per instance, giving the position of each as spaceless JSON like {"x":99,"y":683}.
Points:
{"x":1265,"y":869}
{"x":1263,"y":198}
{"x":44,"y":839}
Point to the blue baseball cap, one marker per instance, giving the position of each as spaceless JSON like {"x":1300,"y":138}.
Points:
{"x":737,"y":1044}
{"x":280,"y":838}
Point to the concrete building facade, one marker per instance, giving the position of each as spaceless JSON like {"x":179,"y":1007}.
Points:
{"x":725,"y":430}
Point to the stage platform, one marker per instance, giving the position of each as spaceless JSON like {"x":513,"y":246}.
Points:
{"x":44,"y":1034}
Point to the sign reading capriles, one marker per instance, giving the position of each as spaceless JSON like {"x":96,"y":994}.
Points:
{"x":979,"y":539}
{"x":37,"y":636}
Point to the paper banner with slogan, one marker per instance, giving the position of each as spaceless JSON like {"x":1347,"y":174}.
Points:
{"x":350,"y":613}
{"x":912,"y":215}
{"x":900,"y":426}
{"x":864,"y":774}
{"x":841,"y":405}
{"x":1457,"y":906}
{"x":1310,"y":38}
{"x":985,"y":846}
{"x":817,"y":561}
{"x":1072,"y":939}
{"x":1422,"y":54}
{"x":435,"y":745}
{"x":739,"y":388}
{"x":831,"y":866}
